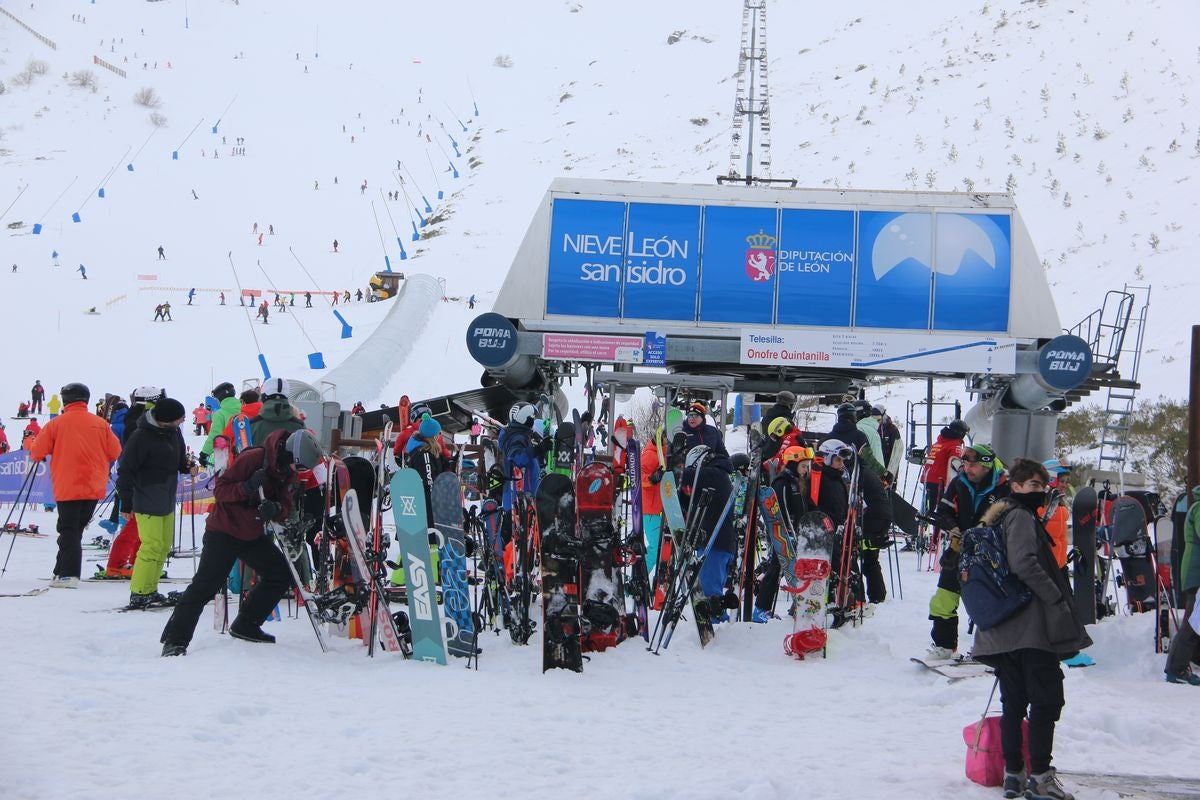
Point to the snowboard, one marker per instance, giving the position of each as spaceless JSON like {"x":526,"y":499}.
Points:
{"x":1132,"y":547}
{"x":562,"y":555}
{"x":412,"y":535}
{"x":815,"y":537}
{"x":603,"y":598}
{"x":1179,"y":511}
{"x":635,"y":544}
{"x":448,"y":519}
{"x":904,"y":514}
{"x":1084,"y":513}
{"x":781,"y":543}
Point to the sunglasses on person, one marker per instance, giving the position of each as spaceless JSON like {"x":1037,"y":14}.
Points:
{"x":695,"y":414}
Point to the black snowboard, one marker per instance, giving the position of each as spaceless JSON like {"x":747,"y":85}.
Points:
{"x":1179,"y":511}
{"x":1084,"y":513}
{"x":1133,"y":547}
{"x":904,"y":515}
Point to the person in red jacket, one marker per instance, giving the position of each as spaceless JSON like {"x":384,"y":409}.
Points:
{"x":4,"y":448}
{"x":82,"y":449}
{"x":937,"y":461}
{"x":415,"y":415}
{"x":652,"y":505}
{"x":200,"y":418}
{"x":256,"y":489}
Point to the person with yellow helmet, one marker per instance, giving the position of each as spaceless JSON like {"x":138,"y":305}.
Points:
{"x":781,"y":435}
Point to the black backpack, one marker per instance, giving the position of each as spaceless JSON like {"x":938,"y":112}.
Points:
{"x":990,"y":592}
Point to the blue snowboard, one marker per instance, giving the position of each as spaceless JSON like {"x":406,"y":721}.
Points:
{"x":412,"y":535}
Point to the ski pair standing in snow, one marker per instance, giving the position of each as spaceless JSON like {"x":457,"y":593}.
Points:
{"x":256,"y":489}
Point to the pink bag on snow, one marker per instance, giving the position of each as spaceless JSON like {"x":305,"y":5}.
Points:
{"x":985,"y":756}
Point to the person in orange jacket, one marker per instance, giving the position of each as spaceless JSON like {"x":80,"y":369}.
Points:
{"x":82,"y":449}
{"x":1057,"y":510}
{"x":652,"y":505}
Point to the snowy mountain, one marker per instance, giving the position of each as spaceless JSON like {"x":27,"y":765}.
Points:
{"x":1083,"y":109}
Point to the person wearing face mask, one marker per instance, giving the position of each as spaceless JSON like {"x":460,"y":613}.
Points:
{"x":979,"y":484}
{"x":795,"y":500}
{"x":1025,"y":649}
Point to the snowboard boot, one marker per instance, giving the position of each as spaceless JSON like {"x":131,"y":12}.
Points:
{"x":936,"y":653}
{"x":1014,"y":784}
{"x":240,"y":629}
{"x":1184,"y":677}
{"x":1045,"y":786}
{"x":174,"y":649}
{"x":140,"y":602}
{"x":761,"y":616}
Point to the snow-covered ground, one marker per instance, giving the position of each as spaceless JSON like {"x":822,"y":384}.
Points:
{"x":92,"y":711}
{"x":1085,"y":104}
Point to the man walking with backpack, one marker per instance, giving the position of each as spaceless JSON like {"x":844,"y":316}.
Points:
{"x":1025,"y":649}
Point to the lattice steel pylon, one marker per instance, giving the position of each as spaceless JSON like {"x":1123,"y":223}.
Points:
{"x":750,"y":151}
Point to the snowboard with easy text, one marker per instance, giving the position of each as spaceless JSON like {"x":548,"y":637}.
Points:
{"x":448,"y":519}
{"x":412,"y":535}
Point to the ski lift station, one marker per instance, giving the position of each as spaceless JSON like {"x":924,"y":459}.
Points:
{"x":700,"y":289}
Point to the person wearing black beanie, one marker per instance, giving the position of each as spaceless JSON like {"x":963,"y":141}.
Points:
{"x":147,"y":481}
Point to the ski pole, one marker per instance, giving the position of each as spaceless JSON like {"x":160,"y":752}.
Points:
{"x":26,"y":489}
{"x":192,"y":509}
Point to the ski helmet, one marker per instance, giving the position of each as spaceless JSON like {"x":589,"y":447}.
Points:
{"x":74,"y":393}
{"x":696,"y":454}
{"x":522,"y":414}
{"x":831,"y":448}
{"x":797,"y":453}
{"x":846,"y":410}
{"x":147,"y":394}
{"x":417,"y":411}
{"x":222,"y":391}
{"x":862,"y":409}
{"x":957,"y":429}
{"x":304,"y":448}
{"x":740,"y":461}
{"x":779,"y":427}
{"x":275,"y":387}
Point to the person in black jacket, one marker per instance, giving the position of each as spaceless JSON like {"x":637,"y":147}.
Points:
{"x":715,"y":569}
{"x":698,"y":432}
{"x":148,"y":475}
{"x":876,"y":524}
{"x":424,"y":454}
{"x":846,"y":430}
{"x":967,"y":498}
{"x":792,"y":491}
{"x":784,"y":401}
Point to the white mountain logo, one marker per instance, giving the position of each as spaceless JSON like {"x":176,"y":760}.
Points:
{"x":910,"y":236}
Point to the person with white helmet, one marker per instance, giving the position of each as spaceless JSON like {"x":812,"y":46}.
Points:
{"x":523,"y":450}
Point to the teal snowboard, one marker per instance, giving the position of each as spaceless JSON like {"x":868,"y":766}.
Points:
{"x":412,"y":535}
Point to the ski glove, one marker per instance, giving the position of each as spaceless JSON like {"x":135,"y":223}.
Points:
{"x":656,"y":476}
{"x":255,"y":481}
{"x":268,"y":510}
{"x":204,"y":459}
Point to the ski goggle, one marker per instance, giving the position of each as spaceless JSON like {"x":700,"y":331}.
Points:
{"x":844,"y":453}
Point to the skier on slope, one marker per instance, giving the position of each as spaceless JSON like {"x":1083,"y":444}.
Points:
{"x":715,"y":570}
{"x":191,"y":295}
{"x":147,"y":480}
{"x":257,"y":488}
{"x":167,"y":312}
{"x":36,"y":395}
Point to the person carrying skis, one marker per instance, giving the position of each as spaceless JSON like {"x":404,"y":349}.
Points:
{"x":699,"y":432}
{"x":700,"y":470}
{"x":1025,"y":649}
{"x":230,"y":405}
{"x":257,"y":488}
{"x":981,"y":483}
{"x":147,"y":482}
{"x":1186,"y":642}
{"x":81,"y":449}
{"x":36,"y":395}
{"x":54,"y":406}
{"x":200,"y":419}
{"x":794,"y":494}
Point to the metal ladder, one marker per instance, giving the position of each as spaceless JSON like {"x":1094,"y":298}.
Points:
{"x":751,"y":107}
{"x":1125,"y":350}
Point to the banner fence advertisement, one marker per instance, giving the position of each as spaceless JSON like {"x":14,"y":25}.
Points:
{"x":15,"y":466}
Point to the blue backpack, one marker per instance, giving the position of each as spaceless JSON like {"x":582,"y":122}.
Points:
{"x":990,"y":592}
